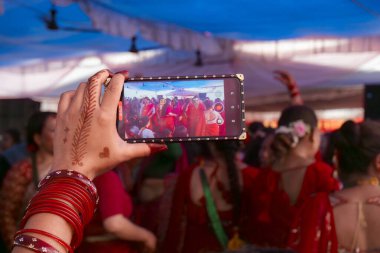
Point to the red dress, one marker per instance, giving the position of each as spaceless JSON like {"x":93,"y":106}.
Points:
{"x":314,"y":229}
{"x":271,"y":210}
{"x":163,"y":121}
{"x":189,"y":229}
{"x":17,"y":190}
{"x":113,"y":200}
{"x":196,"y":119}
{"x":147,"y":110}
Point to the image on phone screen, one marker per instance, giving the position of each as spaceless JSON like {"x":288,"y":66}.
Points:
{"x":180,"y":109}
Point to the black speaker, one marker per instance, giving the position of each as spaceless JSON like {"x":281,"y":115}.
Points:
{"x":372,"y":101}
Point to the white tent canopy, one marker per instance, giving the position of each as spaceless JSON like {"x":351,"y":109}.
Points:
{"x":40,"y":63}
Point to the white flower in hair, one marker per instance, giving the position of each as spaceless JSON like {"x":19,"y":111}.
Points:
{"x":300,"y":129}
{"x":296,"y":129}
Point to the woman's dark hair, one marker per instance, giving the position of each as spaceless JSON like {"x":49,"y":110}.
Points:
{"x":143,"y":121}
{"x":165,"y":133}
{"x":228,"y":150}
{"x":357,"y":145}
{"x":165,"y":107}
{"x":180,"y":131}
{"x":282,"y":142}
{"x":208,"y":104}
{"x":34,"y":126}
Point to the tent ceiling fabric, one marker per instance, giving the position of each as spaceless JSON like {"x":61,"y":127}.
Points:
{"x":324,"y":44}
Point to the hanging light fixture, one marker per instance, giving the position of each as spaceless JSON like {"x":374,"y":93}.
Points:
{"x":199,"y":60}
{"x":51,"y":22}
{"x":133,"y":48}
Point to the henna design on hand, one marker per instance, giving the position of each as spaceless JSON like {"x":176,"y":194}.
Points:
{"x":105,"y":153}
{"x":83,"y":128}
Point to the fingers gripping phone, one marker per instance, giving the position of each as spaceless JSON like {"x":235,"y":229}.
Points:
{"x":182,"y":108}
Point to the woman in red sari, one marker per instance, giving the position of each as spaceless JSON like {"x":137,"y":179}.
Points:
{"x":346,"y":221}
{"x":278,"y":192}
{"x":190,"y":228}
{"x":196,"y":118}
{"x":164,"y":117}
{"x":21,"y":181}
{"x":213,"y":120}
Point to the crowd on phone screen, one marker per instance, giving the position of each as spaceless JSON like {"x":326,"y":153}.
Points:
{"x":284,"y":189}
{"x":173,"y":117}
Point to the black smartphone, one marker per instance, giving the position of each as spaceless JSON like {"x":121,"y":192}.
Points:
{"x":182,"y":108}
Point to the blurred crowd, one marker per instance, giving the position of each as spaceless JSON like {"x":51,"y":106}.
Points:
{"x":288,"y":189}
{"x":173,"y":117}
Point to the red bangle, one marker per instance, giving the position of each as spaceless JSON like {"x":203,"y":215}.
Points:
{"x":69,"y":195}
{"x":34,"y":244}
{"x":291,"y":86}
{"x":72,"y":175}
{"x":77,"y":195}
{"x":77,"y":237}
{"x":294,"y":94}
{"x":44,"y":233}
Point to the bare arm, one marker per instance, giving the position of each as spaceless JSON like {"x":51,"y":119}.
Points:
{"x":125,"y":229}
{"x":82,"y":116}
{"x":286,"y":79}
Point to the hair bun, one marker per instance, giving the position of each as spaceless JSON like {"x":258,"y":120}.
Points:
{"x":349,"y":134}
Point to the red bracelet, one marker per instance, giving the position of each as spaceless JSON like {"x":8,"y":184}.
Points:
{"x":44,"y":233}
{"x":34,"y":244}
{"x":71,"y":181}
{"x":77,"y":237}
{"x":291,"y":86}
{"x":69,"y":195}
{"x":294,"y":94}
{"x":59,"y":208}
{"x":76,"y":195}
{"x":72,"y":175}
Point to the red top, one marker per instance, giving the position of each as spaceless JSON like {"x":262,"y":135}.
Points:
{"x":271,"y":210}
{"x":113,"y":200}
{"x":14,"y":197}
{"x":189,"y":229}
{"x":313,"y":230}
{"x":196,"y":119}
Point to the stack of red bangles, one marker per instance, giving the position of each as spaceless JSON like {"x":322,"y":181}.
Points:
{"x":65,"y":193}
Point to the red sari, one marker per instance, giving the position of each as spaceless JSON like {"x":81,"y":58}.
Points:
{"x":162,"y":121}
{"x":189,"y":229}
{"x":271,"y":210}
{"x":314,"y":230}
{"x":113,"y":200}
{"x":196,"y":119}
{"x":17,"y":190}
{"x":147,"y":110}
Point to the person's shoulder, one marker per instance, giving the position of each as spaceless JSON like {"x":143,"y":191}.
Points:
{"x":322,"y":174}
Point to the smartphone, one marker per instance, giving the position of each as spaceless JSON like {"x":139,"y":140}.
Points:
{"x":182,"y":108}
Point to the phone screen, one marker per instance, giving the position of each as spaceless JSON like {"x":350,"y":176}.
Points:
{"x":181,"y":109}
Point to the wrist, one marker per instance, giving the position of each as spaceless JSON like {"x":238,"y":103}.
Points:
{"x":84,"y":170}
